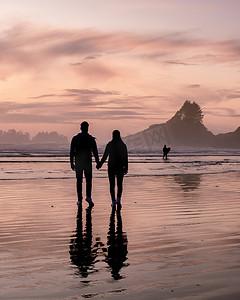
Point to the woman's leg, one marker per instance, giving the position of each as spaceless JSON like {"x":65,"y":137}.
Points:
{"x":111,"y":177}
{"x":119,"y":184}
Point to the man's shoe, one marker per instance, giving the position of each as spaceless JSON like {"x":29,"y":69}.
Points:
{"x":114,"y":202}
{"x":118,"y":200}
{"x":79,"y":203}
{"x":90,"y":202}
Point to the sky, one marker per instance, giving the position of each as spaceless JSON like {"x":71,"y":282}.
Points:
{"x":123,"y":64}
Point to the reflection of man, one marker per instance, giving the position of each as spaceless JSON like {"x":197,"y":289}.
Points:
{"x":83,"y":145}
{"x":117,"y":245}
{"x":81,"y":252}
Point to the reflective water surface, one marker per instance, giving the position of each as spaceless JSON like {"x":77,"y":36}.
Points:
{"x":176,"y":237}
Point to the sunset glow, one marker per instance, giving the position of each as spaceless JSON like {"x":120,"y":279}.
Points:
{"x":117,"y":64}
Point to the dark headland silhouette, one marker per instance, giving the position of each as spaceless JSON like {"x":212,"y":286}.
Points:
{"x":18,"y":137}
{"x":184,"y":129}
{"x":17,"y":141}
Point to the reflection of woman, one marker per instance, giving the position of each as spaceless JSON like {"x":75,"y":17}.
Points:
{"x":81,"y":253}
{"x":116,"y":150}
{"x":117,"y":245}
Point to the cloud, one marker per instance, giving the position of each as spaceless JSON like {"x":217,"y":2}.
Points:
{"x":85,"y":60}
{"x":230,"y":93}
{"x":177,"y":62}
{"x":76,"y":64}
{"x":194,"y":86}
{"x":223,"y":112}
{"x":90,"y":57}
{"x":91,"y":92}
{"x":44,"y":96}
{"x":82,"y":103}
{"x":27,"y":47}
{"x":107,"y":114}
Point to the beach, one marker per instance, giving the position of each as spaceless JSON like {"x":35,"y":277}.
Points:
{"x":176,"y":237}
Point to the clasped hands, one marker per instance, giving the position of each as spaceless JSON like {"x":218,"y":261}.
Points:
{"x":99,"y":165}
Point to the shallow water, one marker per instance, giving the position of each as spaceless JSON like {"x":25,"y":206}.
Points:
{"x":43,"y":166}
{"x":176,"y":237}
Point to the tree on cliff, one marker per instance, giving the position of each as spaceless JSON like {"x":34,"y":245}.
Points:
{"x":186,"y":128}
{"x":190,"y":113}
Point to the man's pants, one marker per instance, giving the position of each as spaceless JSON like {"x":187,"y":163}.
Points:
{"x":87,"y":170}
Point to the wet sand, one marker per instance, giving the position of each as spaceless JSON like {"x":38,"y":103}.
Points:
{"x":176,"y":237}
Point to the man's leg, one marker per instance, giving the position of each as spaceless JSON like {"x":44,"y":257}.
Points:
{"x":79,"y":175}
{"x":79,"y":187}
{"x":88,"y":177}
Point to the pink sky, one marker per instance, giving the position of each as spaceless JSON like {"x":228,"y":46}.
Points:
{"x":117,"y":64}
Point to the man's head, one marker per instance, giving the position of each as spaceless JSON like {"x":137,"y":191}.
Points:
{"x":84,"y":126}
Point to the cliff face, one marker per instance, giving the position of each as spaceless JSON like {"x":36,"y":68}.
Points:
{"x":152,"y":138}
{"x":228,"y":140}
{"x":185,"y":129}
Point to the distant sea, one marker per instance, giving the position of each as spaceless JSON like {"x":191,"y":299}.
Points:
{"x":48,"y":164}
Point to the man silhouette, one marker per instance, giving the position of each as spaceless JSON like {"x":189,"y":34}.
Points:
{"x":83,"y":145}
{"x":117,"y":165}
{"x":165,"y":151}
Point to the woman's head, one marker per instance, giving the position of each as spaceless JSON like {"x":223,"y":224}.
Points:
{"x":116,"y":135}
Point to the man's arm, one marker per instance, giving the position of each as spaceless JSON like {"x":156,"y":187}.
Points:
{"x":95,"y":151}
{"x":125,"y":160}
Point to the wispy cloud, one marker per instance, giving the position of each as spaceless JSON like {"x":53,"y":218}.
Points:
{"x":44,"y":96}
{"x":194,"y":86}
{"x":177,"y":62}
{"x":91,"y":92}
{"x":230,"y":93}
{"x":27,"y":47}
{"x":84,"y":60}
{"x":223,"y":112}
{"x":82,"y":103}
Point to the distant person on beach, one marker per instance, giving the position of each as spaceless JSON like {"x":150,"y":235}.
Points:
{"x":116,"y":150}
{"x":166,"y":150}
{"x":83,"y":145}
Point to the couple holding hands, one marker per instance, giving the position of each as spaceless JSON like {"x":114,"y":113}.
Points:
{"x":83,"y":146}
